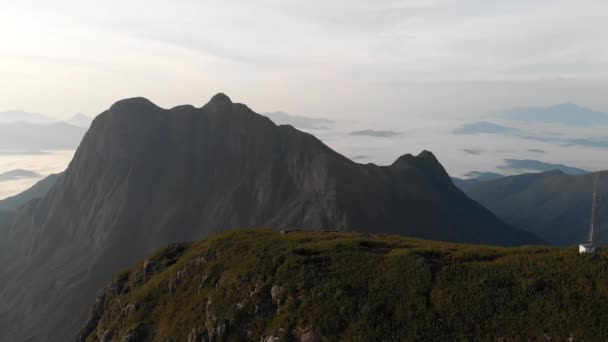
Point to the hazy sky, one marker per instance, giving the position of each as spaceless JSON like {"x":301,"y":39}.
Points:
{"x":341,"y":59}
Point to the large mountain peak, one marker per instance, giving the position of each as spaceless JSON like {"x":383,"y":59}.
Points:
{"x":220,"y":98}
{"x":220,"y":102}
{"x":424,"y":163}
{"x":144,"y":177}
{"x":134,"y":103}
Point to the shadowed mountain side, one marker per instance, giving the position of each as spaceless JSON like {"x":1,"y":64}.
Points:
{"x":5,"y":221}
{"x":553,"y":205}
{"x":38,"y":190}
{"x":144,"y":177}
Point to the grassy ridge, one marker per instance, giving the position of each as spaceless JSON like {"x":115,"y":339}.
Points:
{"x":342,"y":286}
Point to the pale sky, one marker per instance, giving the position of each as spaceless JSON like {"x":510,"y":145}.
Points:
{"x":339,"y":59}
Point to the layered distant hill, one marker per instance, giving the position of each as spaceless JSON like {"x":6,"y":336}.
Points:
{"x":564,"y":114}
{"x":12,"y":116}
{"x":25,"y":132}
{"x":39,"y":190}
{"x":144,"y":177}
{"x":22,"y":136}
{"x":300,"y":122}
{"x":475,"y":178}
{"x":554,"y":205}
{"x":18,"y":174}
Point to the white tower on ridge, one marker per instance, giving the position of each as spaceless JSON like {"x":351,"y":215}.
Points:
{"x":589,"y":248}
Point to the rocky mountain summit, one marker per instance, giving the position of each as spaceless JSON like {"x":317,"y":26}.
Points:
{"x":144,"y":177}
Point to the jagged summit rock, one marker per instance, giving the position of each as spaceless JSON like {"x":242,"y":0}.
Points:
{"x":144,"y":177}
{"x":220,"y":102}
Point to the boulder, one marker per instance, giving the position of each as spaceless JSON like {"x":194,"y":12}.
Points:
{"x":129,"y":310}
{"x":278,"y":294}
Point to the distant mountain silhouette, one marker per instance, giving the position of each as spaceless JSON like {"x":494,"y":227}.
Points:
{"x":475,"y":178}
{"x":471,"y":151}
{"x":565,"y":113}
{"x":144,"y":177}
{"x":484,"y":127}
{"x":80,"y":120}
{"x":537,"y":165}
{"x":22,"y":136}
{"x":13,"y":116}
{"x":18,"y":174}
{"x":553,"y":205}
{"x":301,"y":122}
{"x":536,"y":150}
{"x":38,"y":190}
{"x":374,"y":133}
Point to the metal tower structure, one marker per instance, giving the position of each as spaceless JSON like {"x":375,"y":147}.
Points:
{"x":594,"y":208}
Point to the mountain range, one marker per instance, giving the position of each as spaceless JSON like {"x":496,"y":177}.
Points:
{"x":553,"y":205}
{"x":531,"y":165}
{"x":564,"y":113}
{"x":13,"y":116}
{"x":23,"y":136}
{"x":144,"y":177}
{"x":25,"y":132}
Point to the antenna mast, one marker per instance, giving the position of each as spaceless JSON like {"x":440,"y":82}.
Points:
{"x":594,"y":206}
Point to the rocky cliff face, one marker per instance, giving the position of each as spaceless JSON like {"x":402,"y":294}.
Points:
{"x":144,"y":177}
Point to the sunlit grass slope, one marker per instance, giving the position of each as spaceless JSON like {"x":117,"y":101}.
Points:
{"x":313,"y":286}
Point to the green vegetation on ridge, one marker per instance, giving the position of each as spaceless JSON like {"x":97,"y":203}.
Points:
{"x":313,"y":286}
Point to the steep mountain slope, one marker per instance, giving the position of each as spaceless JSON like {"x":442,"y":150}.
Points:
{"x":38,"y":190}
{"x":145,"y":176}
{"x":6,"y":217}
{"x":313,"y":286}
{"x":553,"y":205}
